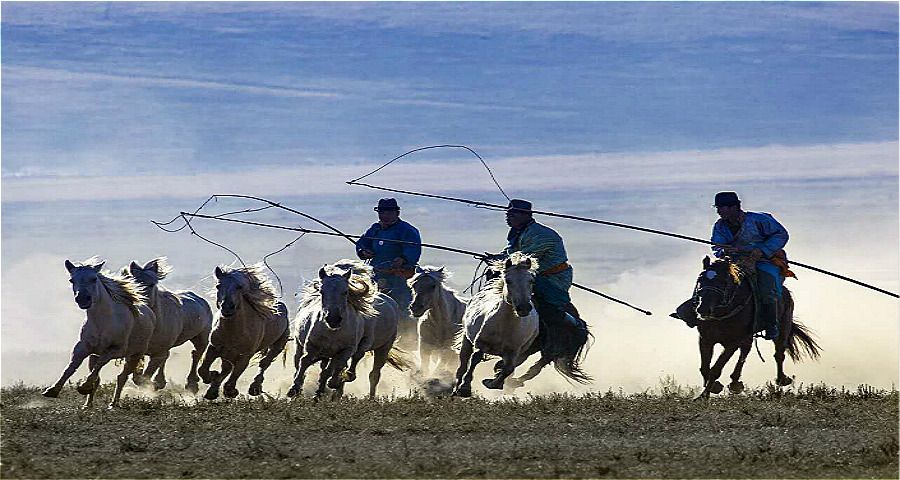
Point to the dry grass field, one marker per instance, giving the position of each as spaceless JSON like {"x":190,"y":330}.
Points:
{"x":806,"y":432}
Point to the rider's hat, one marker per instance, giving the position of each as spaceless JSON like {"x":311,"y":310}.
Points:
{"x":519,"y":205}
{"x":726,"y":199}
{"x":387,"y":204}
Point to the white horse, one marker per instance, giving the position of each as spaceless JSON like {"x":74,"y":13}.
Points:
{"x":499,"y":321}
{"x":381,"y":331}
{"x":180,"y":316}
{"x":251,"y":321}
{"x":331,"y":325}
{"x":440,"y":311}
{"x":119,"y":324}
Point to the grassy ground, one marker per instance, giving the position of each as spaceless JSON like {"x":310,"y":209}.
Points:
{"x":808,"y":432}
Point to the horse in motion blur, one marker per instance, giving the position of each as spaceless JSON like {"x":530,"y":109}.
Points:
{"x":380,"y":333}
{"x":250,"y":321}
{"x":499,"y":320}
{"x":330,"y":326}
{"x":725,"y":309}
{"x":119,"y":324}
{"x":440,"y":311}
{"x":180,"y":316}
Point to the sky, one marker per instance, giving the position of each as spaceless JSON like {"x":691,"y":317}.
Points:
{"x":118,"y":113}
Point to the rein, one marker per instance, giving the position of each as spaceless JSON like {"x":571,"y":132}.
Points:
{"x":727,"y":303}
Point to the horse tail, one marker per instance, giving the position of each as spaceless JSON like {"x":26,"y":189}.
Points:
{"x":399,"y":359}
{"x":570,"y":366}
{"x":800,"y":342}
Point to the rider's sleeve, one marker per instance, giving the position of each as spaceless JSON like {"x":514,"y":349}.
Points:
{"x":411,"y":253}
{"x":365,"y":242}
{"x":720,"y":234}
{"x":775,"y":235}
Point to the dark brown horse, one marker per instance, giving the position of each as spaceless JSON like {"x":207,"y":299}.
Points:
{"x":725,"y":309}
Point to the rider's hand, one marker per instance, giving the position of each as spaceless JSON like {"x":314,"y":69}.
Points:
{"x":366,"y":254}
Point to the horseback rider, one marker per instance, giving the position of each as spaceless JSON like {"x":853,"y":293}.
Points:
{"x":757,"y":239}
{"x":559,"y":335}
{"x":393,"y":263}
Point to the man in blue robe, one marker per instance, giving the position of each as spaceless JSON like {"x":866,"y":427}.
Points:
{"x":393,"y":263}
{"x":559,"y":335}
{"x":759,"y":236}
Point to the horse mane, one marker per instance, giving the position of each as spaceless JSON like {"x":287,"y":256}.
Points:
{"x":122,"y":288}
{"x":358,"y":267}
{"x":438,"y":273}
{"x":163,"y":269}
{"x":736,"y":269}
{"x":362,"y":289}
{"x":260,"y":292}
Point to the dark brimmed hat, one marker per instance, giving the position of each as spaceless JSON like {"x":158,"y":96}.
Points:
{"x":520,"y":205}
{"x":387,"y":204}
{"x":726,"y":199}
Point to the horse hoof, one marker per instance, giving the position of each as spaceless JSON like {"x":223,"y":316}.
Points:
{"x":293,"y":391}
{"x":492,"y":384}
{"x":254,"y":390}
{"x":230,"y":392}
{"x":51,"y":392}
{"x":192,"y":387}
{"x":514,"y":383}
{"x":349,"y":376}
{"x":716,"y":387}
{"x":335,"y":384}
{"x":211,"y":394}
{"x":87,"y":387}
{"x":498,"y":366}
{"x":139,"y":380}
{"x":159,"y":385}
{"x":784,"y":381}
{"x":736,"y":387}
{"x":464,"y":392}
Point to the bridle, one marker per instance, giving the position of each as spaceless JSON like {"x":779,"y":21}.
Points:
{"x":729,"y":298}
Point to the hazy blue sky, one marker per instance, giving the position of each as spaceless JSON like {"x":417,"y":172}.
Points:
{"x":130,"y":87}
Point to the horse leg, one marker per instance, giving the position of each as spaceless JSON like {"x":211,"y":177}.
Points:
{"x":131,"y":364}
{"x":93,"y":378}
{"x":156,"y":360}
{"x":229,"y":389}
{"x":509,"y":366}
{"x":425,"y":353}
{"x":783,"y":340}
{"x":531,"y":373}
{"x":465,"y":355}
{"x":216,"y":378}
{"x":212,"y":353}
{"x":300,"y":372}
{"x":79,"y":353}
{"x":89,"y":401}
{"x":380,"y":356}
{"x":200,"y":343}
{"x":706,"y":353}
{"x":273,"y":351}
{"x":159,"y":381}
{"x":338,"y":364}
{"x":354,"y":361}
{"x":736,"y":385}
{"x":327,"y":367}
{"x":712,"y":382}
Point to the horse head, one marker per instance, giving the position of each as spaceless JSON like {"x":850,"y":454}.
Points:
{"x":518,"y":280}
{"x":230,"y":288}
{"x":85,"y":280}
{"x":424,"y":286}
{"x":716,"y":287}
{"x":150,"y":274}
{"x":335,"y":296}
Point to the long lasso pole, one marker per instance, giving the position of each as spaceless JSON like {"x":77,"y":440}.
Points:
{"x":477,"y":255}
{"x":620,"y":225}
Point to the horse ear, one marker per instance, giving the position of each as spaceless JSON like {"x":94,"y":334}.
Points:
{"x":219,"y":273}
{"x":419,"y":269}
{"x":347,"y":274}
{"x":322,"y":273}
{"x":134,"y":267}
{"x":508,"y":263}
{"x":441,"y":270}
{"x":706,"y":262}
{"x":69,"y":266}
{"x":98,"y":267}
{"x":152,"y":266}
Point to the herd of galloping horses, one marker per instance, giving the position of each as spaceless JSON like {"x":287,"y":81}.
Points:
{"x":342,"y":316}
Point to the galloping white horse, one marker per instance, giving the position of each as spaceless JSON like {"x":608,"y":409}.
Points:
{"x":380,"y":332}
{"x":499,"y":321}
{"x":331,"y":325}
{"x":440,"y":313}
{"x":250,"y":321}
{"x":180,"y":316}
{"x":119,"y":324}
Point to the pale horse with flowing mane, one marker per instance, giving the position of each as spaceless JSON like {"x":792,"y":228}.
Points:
{"x":440,"y":311}
{"x":380,"y":333}
{"x":499,"y":320}
{"x":180,"y":316}
{"x":118,"y":324}
{"x":330,"y":326}
{"x":251,"y":321}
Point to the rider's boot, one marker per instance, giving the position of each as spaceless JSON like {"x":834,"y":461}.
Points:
{"x":687,"y":313}
{"x":768,"y":313}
